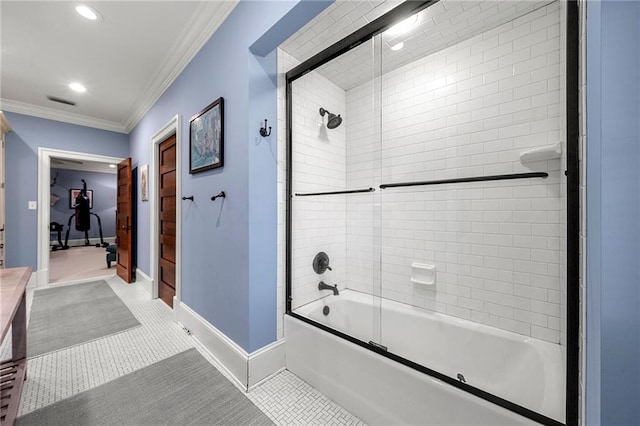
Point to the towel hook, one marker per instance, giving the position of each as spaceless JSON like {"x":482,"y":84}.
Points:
{"x":190,"y":197}
{"x":220,"y":195}
{"x":263,"y":130}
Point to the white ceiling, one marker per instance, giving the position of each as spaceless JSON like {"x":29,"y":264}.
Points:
{"x":444,"y":24}
{"x":126,"y":59}
{"x":81,"y":165}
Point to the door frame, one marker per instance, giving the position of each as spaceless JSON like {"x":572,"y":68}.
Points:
{"x":44,"y":200}
{"x":172,"y":127}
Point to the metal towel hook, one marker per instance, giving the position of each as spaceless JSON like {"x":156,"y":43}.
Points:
{"x":263,"y":130}
{"x":220,"y":195}
{"x":190,"y":197}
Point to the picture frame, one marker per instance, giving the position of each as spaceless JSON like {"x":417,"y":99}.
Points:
{"x":144,"y":182}
{"x":206,"y":138}
{"x":74,"y":192}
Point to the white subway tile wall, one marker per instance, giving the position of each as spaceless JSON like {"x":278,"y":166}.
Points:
{"x":318,"y":222}
{"x":468,"y":110}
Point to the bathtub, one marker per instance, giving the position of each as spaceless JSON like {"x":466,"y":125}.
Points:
{"x":524,"y":370}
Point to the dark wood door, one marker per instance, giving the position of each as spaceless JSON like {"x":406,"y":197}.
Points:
{"x":124,"y":218}
{"x":167,"y":221}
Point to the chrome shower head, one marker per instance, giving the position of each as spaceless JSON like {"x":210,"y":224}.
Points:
{"x":333,"y":120}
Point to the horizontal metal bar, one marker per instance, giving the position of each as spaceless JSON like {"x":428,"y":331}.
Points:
{"x":468,"y":179}
{"x":352,"y":191}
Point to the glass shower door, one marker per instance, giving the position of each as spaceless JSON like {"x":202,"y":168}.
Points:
{"x":334,"y":251}
{"x":471,"y":200}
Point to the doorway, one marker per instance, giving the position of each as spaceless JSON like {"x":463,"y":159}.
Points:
{"x":47,"y":157}
{"x":78,"y":242}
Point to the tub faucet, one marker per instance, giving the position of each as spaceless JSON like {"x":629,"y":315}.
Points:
{"x":324,"y":286}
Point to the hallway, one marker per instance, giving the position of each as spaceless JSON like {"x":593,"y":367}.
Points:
{"x":284,"y":398}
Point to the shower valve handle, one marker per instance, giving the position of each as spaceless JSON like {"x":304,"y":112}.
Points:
{"x":321,"y":263}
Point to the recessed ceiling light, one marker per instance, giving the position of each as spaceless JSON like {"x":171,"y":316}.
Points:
{"x":403,"y":26}
{"x":113,"y":166}
{"x":87,"y":12}
{"x":397,"y":46}
{"x":77,"y":87}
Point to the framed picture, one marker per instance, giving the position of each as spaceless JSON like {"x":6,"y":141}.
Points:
{"x":73,"y":194}
{"x":206,"y":138}
{"x":144,"y":182}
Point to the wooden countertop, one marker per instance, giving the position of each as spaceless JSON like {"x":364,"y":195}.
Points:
{"x":13,"y":283}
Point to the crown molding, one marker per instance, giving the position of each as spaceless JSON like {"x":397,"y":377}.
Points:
{"x":205,"y":21}
{"x":65,"y":117}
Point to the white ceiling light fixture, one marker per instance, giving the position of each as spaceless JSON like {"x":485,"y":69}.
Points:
{"x":77,"y":87}
{"x":113,"y":166}
{"x":397,"y":46}
{"x":403,"y":26}
{"x":87,"y":12}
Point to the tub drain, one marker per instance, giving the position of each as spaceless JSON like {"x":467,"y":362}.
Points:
{"x":325,"y":310}
{"x":461,"y":378}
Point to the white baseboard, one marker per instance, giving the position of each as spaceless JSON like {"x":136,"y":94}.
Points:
{"x":41,"y":278}
{"x":79,"y":242}
{"x":145,"y":281}
{"x":265,"y":362}
{"x":247,"y":369}
{"x":33,"y":280}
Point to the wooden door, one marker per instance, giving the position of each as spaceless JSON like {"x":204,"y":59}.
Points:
{"x":167,"y":221}
{"x":124,"y":218}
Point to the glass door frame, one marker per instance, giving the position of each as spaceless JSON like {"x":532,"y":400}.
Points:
{"x":572,"y":173}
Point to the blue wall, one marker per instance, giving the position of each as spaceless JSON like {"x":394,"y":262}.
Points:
{"x":29,"y":134}
{"x":229,"y":246}
{"x":103,"y":186}
{"x":613,"y":212}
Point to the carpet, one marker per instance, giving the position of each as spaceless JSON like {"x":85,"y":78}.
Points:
{"x":71,"y":315}
{"x":79,"y":263}
{"x":183,"y":389}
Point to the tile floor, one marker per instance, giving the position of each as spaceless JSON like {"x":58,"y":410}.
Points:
{"x":285,"y":398}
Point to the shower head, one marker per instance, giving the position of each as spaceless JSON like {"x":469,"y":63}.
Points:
{"x":333,"y":120}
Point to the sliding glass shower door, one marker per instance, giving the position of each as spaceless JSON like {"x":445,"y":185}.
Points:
{"x":335,"y":240}
{"x":427,"y":211}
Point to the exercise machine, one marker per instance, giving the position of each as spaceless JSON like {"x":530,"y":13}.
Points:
{"x":82,"y":217}
{"x":58,"y":228}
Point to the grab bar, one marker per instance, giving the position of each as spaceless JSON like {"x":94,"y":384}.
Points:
{"x":467,"y":179}
{"x":351,"y":191}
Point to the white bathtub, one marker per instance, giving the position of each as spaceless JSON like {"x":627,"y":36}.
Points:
{"x":526,"y":371}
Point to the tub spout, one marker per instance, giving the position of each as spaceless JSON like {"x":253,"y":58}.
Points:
{"x":324,"y":286}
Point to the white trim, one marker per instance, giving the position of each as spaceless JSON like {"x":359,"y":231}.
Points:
{"x":265,"y":362}
{"x":65,"y":117}
{"x":205,"y":21}
{"x":223,"y":349}
{"x":33,"y":281}
{"x":172,"y":127}
{"x":44,"y":179}
{"x":248,"y":370}
{"x":145,"y":281}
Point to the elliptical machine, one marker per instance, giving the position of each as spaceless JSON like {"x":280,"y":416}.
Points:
{"x":83,"y":218}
